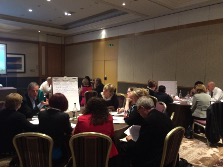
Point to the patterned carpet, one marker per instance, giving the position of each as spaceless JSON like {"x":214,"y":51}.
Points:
{"x":199,"y":154}
{"x":195,"y":151}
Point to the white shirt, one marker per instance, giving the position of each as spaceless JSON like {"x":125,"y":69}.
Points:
{"x":217,"y":94}
{"x":45,"y":87}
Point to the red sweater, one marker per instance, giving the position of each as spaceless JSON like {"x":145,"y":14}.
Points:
{"x":83,"y":125}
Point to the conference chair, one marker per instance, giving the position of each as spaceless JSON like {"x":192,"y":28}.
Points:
{"x":2,"y":105}
{"x":90,"y":149}
{"x":121,"y":99}
{"x":171,"y":147}
{"x":89,"y":94}
{"x":161,"y":106}
{"x":213,"y":125}
{"x":33,"y":149}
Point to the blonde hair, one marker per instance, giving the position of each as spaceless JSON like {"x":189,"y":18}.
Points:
{"x":200,"y":88}
{"x":111,"y":88}
{"x":13,"y":101}
{"x":139,"y":92}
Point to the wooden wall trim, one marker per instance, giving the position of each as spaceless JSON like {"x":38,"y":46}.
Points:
{"x":19,"y":40}
{"x":190,"y":25}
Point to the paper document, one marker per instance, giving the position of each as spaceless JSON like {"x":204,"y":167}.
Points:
{"x":133,"y":131}
{"x":118,"y":120}
{"x":114,"y":113}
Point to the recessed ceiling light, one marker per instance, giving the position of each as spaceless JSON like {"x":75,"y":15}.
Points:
{"x":48,"y":0}
{"x":30,"y":10}
{"x":68,"y":14}
{"x":123,"y":4}
{"x":38,"y":31}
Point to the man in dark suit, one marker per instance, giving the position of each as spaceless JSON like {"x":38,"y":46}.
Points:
{"x":31,"y":104}
{"x":161,"y":95}
{"x":12,"y":122}
{"x":147,"y":150}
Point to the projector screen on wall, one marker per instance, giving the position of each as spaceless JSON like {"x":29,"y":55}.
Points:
{"x":3,"y":52}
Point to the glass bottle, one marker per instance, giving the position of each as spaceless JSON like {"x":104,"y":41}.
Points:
{"x":74,"y":111}
{"x":180,"y":94}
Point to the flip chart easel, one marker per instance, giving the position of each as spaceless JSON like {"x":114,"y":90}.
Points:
{"x":69,"y":87}
{"x":171,"y":87}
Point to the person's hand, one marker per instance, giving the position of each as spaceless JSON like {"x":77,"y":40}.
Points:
{"x":46,"y":103}
{"x":129,"y":137}
{"x":120,"y":110}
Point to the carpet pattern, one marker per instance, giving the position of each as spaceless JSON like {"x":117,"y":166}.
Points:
{"x":199,"y":154}
{"x":195,"y":151}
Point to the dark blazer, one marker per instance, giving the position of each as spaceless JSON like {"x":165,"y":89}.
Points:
{"x":56,"y":124}
{"x":113,"y":102}
{"x":12,"y":123}
{"x":27,"y":107}
{"x":134,"y":117}
{"x":164,"y":97}
{"x":147,"y":150}
{"x":99,"y":89}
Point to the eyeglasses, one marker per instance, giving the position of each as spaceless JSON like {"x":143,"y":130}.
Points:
{"x":138,"y":108}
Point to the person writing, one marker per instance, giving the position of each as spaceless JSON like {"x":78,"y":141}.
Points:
{"x":109,"y":95}
{"x":147,"y":150}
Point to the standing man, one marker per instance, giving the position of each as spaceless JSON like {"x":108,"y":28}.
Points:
{"x":215,"y":92}
{"x":46,"y":87}
{"x":31,"y":104}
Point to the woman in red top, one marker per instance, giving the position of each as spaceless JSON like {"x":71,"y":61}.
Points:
{"x":85,"y":87}
{"x":96,"y":118}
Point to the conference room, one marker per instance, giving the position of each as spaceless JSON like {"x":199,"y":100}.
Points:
{"x":123,"y":44}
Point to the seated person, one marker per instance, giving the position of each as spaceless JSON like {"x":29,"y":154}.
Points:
{"x":215,"y":92}
{"x":127,"y":103}
{"x":152,"y":86}
{"x":109,"y":94}
{"x":12,"y":122}
{"x":46,"y":87}
{"x":147,"y":150}
{"x":161,"y":95}
{"x":84,"y":87}
{"x":98,"y":86}
{"x":193,"y":90}
{"x":55,"y":123}
{"x":132,"y":116}
{"x":96,"y":118}
{"x":31,"y":105}
{"x":200,"y":103}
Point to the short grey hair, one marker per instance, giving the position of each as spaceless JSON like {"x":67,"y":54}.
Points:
{"x":145,"y":101}
{"x":32,"y":85}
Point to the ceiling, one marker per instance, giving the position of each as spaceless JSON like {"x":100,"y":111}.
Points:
{"x":86,"y":15}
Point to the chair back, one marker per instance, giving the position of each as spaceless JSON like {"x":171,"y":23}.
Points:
{"x":33,"y":149}
{"x":171,"y":146}
{"x":121,"y":99}
{"x":2,"y":105}
{"x":161,"y":106}
{"x":90,"y":149}
{"x":89,"y":94}
{"x":155,"y":100}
